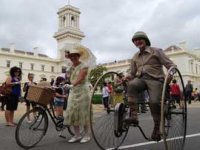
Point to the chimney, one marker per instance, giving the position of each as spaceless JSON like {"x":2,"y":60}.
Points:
{"x":183,"y":45}
{"x":12,"y":47}
{"x":35,"y":51}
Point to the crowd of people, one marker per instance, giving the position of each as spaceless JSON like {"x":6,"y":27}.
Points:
{"x":145,"y":83}
{"x":115,"y":91}
{"x":72,"y":89}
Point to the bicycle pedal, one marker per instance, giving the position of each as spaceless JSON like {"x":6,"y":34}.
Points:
{"x":62,"y":136}
{"x":60,"y":118}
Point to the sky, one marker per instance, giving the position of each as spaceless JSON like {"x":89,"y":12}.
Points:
{"x":108,"y":25}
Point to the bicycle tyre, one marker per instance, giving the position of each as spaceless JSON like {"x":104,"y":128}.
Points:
{"x":72,"y":132}
{"x":29,"y":134}
{"x":103,"y":121}
{"x":173,"y":116}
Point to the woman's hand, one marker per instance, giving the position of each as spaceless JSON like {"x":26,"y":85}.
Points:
{"x":69,"y":86}
{"x":16,"y":83}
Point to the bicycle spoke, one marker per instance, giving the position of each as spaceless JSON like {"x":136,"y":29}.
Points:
{"x":29,"y":133}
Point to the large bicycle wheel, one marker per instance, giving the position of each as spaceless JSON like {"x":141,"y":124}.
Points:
{"x":71,"y":131}
{"x":61,"y":127}
{"x":103,"y":120}
{"x":173,"y":114}
{"x":29,"y":133}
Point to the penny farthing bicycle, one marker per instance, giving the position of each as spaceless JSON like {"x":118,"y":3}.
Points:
{"x":110,"y":130}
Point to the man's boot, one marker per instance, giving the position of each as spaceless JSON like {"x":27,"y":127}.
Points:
{"x":155,"y":111}
{"x":156,"y":131}
{"x":133,"y":119}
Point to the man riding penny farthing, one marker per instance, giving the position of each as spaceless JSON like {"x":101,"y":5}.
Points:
{"x":146,"y":74}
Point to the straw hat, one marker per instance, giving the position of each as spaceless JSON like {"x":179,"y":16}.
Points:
{"x":86,"y":56}
{"x":78,"y":49}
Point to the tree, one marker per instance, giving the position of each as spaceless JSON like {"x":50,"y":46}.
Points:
{"x":96,"y":73}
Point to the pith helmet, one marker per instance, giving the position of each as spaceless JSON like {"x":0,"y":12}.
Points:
{"x":141,"y":35}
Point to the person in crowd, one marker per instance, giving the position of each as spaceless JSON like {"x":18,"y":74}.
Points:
{"x":25,"y":89}
{"x":105,"y":96}
{"x":110,"y":87}
{"x":147,"y":74}
{"x":119,"y":79}
{"x":175,"y":92}
{"x":189,"y":90}
{"x":14,"y":80}
{"x":59,"y":99}
{"x":3,"y":102}
{"x":196,"y":94}
{"x":65,"y":90}
{"x":52,"y":82}
{"x":118,"y":96}
{"x":44,"y":83}
{"x":90,"y":86}
{"x":77,"y":112}
{"x":141,"y":102}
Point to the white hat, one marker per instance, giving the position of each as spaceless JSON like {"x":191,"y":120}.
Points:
{"x":86,"y":55}
{"x":78,"y":49}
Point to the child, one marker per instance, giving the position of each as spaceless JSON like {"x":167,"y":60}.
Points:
{"x":105,"y":93}
{"x":59,"y":96}
{"x":25,"y":89}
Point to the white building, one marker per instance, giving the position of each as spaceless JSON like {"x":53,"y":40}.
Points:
{"x":187,"y":61}
{"x":68,"y":33}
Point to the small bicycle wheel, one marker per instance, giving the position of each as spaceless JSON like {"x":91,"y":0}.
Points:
{"x":173,"y":113}
{"x":103,"y":115}
{"x":29,"y":133}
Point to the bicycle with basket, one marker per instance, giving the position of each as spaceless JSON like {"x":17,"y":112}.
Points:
{"x":29,"y":134}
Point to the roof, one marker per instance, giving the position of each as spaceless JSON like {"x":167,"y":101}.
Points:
{"x":173,"y":48}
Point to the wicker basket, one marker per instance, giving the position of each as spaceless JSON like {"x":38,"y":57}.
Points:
{"x":40,"y":95}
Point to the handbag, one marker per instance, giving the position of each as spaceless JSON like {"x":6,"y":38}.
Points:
{"x":5,"y":89}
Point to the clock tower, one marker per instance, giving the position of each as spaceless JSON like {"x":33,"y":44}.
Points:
{"x":68,"y":29}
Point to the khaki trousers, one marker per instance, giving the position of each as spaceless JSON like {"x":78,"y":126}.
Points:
{"x":154,"y":88}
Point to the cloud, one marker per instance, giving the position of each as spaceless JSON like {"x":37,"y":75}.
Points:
{"x":108,"y":25}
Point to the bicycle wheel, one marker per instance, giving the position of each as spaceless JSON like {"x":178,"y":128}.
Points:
{"x":72,"y":132}
{"x":29,"y":133}
{"x":102,"y":118}
{"x":173,"y":114}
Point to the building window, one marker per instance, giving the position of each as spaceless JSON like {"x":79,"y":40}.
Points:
{"x":64,"y":69}
{"x":8,"y":63}
{"x":73,"y":21}
{"x":20,"y":65}
{"x":52,"y":68}
{"x":63,"y":21}
{"x":42,"y":67}
{"x":196,"y":67}
{"x":32,"y":66}
{"x":191,"y":66}
{"x":199,"y":67}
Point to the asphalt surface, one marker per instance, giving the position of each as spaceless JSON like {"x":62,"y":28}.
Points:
{"x":133,"y":141}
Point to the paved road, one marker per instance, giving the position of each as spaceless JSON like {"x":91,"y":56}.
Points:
{"x":134,"y":140}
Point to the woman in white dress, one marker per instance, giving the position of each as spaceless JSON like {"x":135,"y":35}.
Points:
{"x":77,"y":113}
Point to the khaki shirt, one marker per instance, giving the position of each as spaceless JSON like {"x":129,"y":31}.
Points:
{"x":150,"y":63}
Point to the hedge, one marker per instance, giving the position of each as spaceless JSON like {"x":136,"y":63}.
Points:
{"x":97,"y":99}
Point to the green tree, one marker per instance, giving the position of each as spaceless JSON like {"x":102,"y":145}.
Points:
{"x":96,"y":73}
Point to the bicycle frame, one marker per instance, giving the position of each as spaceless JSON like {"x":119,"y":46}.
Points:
{"x":58,"y":122}
{"x":117,"y":110}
